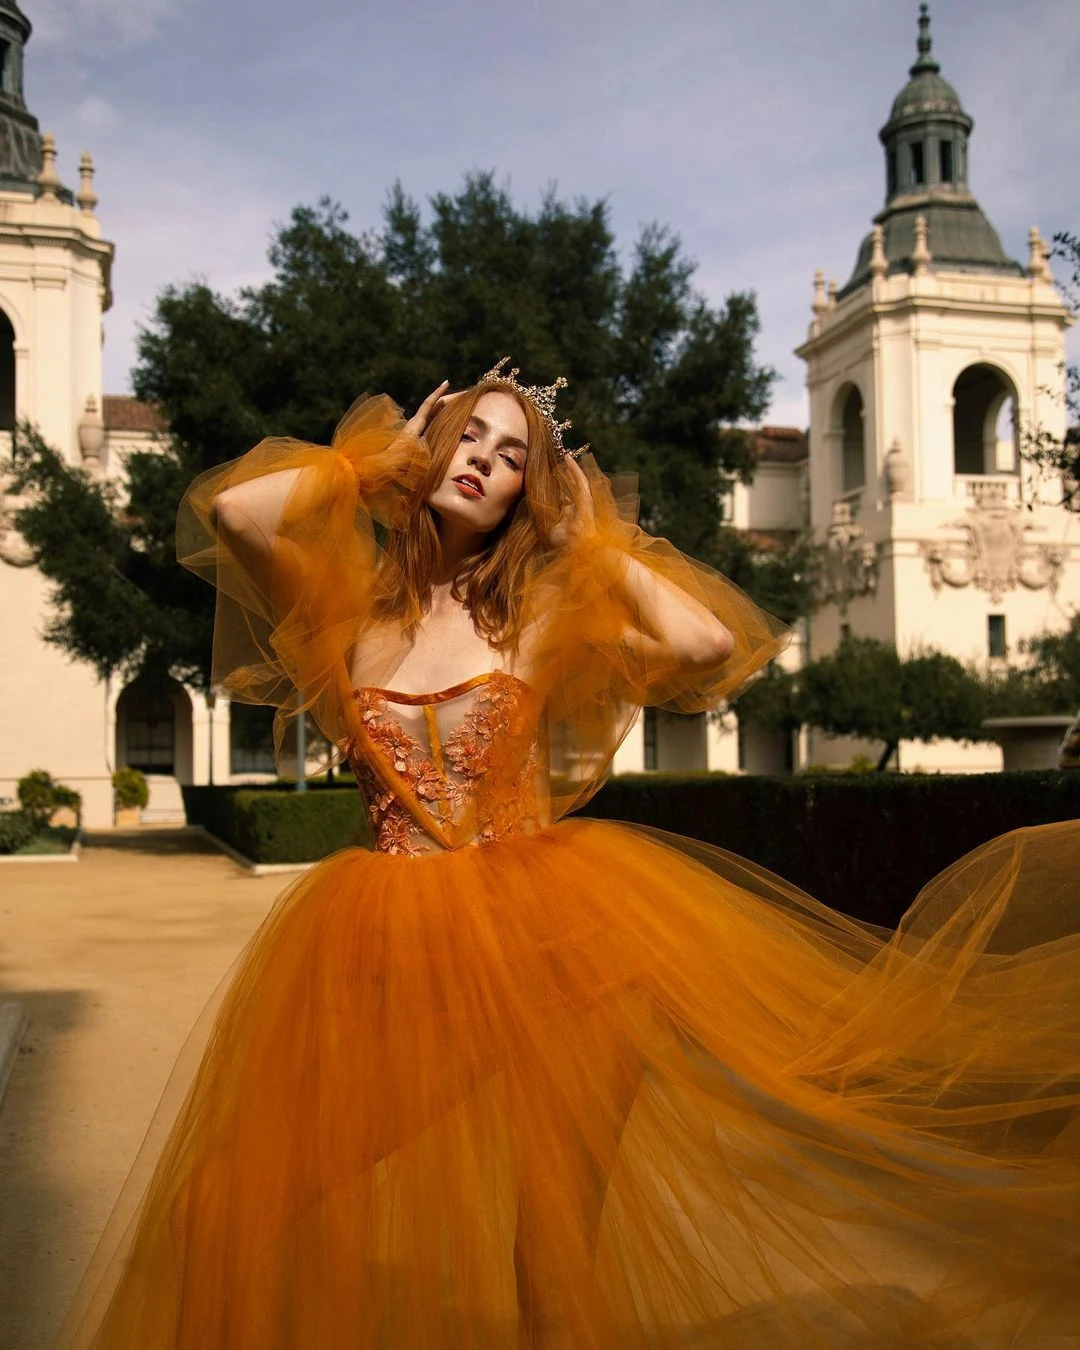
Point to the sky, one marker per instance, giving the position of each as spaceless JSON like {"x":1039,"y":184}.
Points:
{"x":749,"y":128}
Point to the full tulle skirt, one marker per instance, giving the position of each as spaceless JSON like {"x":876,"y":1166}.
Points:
{"x":627,"y":1086}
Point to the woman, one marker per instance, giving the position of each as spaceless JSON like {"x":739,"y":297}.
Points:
{"x":502,"y":1082}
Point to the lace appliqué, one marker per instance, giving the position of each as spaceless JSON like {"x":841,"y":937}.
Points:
{"x":489,"y":731}
{"x":493,"y":726}
{"x":394,"y":828}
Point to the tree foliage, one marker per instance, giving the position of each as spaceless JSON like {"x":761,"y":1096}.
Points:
{"x":867,"y":690}
{"x":1047,"y":681}
{"x":660,"y":381}
{"x":120,"y":603}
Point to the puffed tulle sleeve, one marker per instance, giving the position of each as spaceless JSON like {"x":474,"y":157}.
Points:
{"x":310,"y":604}
{"x":305,"y":575}
{"x":623,"y":620}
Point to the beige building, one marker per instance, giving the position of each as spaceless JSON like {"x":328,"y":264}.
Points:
{"x":55,"y":286}
{"x":923,"y":370}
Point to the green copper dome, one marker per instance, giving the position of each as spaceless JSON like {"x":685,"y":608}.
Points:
{"x":925,"y":92}
{"x":20,"y":142}
{"x":10,"y":8}
{"x":926,"y":174}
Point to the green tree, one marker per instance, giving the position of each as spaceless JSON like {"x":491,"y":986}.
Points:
{"x":120,"y":603}
{"x":1048,"y":681}
{"x":659,"y":383}
{"x":867,"y":690}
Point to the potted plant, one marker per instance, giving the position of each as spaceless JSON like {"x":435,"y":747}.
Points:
{"x":130,"y":795}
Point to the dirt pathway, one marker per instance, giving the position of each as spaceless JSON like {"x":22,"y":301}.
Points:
{"x":114,"y":958}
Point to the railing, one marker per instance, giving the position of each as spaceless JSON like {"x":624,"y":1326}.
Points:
{"x":987,"y":489}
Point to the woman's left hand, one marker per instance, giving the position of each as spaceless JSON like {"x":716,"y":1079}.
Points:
{"x":577,"y":520}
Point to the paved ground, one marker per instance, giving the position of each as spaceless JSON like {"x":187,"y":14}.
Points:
{"x":114,"y":959}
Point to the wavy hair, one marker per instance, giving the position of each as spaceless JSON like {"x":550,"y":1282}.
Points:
{"x":491,"y":582}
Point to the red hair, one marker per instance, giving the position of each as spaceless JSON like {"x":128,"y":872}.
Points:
{"x":491,"y":582}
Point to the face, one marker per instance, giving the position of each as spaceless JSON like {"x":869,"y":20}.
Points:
{"x":486,"y":474}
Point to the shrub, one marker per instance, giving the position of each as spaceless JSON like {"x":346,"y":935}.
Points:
{"x":861,"y":843}
{"x":130,"y":788}
{"x":39,"y":796}
{"x":270,"y":825}
{"x":17,"y":828}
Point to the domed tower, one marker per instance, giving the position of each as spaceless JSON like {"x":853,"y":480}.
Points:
{"x":54,"y":287}
{"x":54,"y":272}
{"x":926,"y":158}
{"x":926,"y":370}
{"x":20,"y":141}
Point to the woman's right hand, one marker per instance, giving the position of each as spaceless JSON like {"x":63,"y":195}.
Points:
{"x":418,"y":423}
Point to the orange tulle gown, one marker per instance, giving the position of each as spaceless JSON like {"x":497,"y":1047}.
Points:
{"x":509,"y":1075}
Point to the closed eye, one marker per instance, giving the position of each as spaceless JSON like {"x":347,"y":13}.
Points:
{"x":512,"y":461}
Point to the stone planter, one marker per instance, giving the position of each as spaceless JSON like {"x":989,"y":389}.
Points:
{"x":1029,"y":742}
{"x":128,"y":817}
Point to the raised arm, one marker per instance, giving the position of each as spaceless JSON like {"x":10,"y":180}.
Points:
{"x":287,"y":496}
{"x":671,"y":627}
{"x":249,"y":516}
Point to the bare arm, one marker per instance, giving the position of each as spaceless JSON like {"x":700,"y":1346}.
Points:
{"x":673,"y":625}
{"x":249,"y":515}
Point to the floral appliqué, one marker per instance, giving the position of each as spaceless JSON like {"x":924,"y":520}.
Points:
{"x":489,"y":732}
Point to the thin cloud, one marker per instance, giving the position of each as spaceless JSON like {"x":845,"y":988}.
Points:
{"x":101,"y":25}
{"x":95,"y":113}
{"x":751,"y":131}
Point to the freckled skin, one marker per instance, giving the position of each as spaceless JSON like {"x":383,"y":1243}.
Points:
{"x":488,"y":450}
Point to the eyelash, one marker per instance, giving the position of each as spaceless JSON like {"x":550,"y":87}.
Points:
{"x":509,"y":459}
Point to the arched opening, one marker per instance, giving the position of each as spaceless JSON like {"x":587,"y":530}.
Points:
{"x":7,"y":374}
{"x":153,"y":730}
{"x":848,"y":426}
{"x":251,"y":739}
{"x":985,"y":424}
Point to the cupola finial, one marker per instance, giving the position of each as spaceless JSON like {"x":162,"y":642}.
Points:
{"x":925,"y":61}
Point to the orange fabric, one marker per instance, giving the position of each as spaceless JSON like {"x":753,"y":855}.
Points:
{"x":578,"y":1075}
{"x":686,"y":1103}
{"x":587,"y":652}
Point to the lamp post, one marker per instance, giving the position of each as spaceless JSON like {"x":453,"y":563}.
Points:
{"x":301,"y":751}
{"x":211,"y":700}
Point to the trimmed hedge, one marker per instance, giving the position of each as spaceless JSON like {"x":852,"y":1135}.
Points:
{"x":864,"y":844}
{"x":274,"y":824}
{"x":861,"y":843}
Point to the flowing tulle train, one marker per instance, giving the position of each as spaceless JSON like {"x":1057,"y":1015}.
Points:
{"x":684,"y":1101}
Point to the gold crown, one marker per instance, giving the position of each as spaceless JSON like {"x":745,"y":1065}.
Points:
{"x":542,"y":397}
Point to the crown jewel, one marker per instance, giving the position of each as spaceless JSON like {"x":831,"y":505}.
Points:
{"x":542,"y":397}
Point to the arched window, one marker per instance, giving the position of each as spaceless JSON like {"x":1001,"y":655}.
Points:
{"x":154,"y":729}
{"x":852,"y":442}
{"x":985,"y":435}
{"x":251,"y":738}
{"x":146,"y":729}
{"x":945,"y":161}
{"x":918,"y":164}
{"x":7,"y":374}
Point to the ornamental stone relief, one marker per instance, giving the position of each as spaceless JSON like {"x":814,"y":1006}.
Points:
{"x":14,"y":549}
{"x":994,"y":556}
{"x":851,"y":560}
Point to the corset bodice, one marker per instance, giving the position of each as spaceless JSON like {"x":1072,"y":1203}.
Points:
{"x":459,"y":766}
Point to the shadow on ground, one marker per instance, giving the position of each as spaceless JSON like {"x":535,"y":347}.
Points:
{"x":156,"y":842}
{"x":29,"y":1197}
